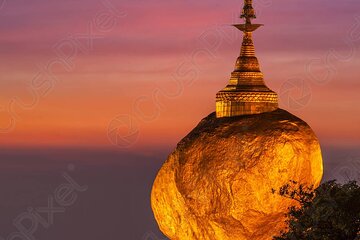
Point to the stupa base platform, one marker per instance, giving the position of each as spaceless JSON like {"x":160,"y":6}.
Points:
{"x":231,"y":104}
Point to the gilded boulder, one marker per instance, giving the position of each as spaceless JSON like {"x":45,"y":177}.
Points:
{"x":218,"y":182}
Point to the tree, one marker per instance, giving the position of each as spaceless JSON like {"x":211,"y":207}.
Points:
{"x":330,"y":212}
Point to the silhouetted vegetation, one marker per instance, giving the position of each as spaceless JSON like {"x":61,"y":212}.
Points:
{"x":330,"y":212}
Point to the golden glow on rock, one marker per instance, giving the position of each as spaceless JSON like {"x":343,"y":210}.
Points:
{"x":218,"y":182}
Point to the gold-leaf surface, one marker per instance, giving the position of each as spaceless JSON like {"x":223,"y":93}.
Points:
{"x":218,"y":182}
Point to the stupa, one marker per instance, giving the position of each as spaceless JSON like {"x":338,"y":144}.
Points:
{"x":218,"y":183}
{"x":246,"y":92}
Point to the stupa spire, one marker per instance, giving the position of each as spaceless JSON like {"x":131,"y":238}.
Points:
{"x":246,"y":92}
{"x":248,"y":11}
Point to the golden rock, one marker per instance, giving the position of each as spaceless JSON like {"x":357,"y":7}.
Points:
{"x":218,"y":182}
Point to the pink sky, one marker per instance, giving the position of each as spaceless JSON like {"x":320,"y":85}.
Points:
{"x":143,"y":46}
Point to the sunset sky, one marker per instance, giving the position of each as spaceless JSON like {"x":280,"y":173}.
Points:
{"x":142,"y":74}
{"x":104,"y":89}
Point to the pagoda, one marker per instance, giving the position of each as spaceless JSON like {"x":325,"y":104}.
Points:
{"x":246,"y":92}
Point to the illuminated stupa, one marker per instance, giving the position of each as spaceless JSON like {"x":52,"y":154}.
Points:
{"x":218,"y":183}
{"x":246,"y":92}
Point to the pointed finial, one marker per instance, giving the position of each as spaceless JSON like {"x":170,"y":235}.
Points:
{"x":248,"y":11}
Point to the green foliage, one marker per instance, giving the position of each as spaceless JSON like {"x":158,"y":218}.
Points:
{"x":330,"y":212}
